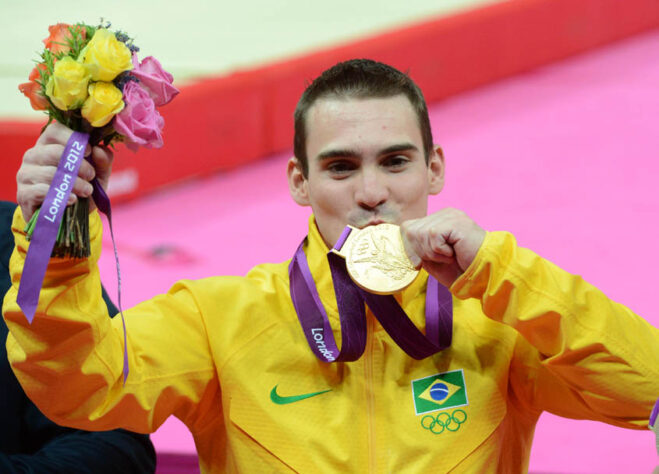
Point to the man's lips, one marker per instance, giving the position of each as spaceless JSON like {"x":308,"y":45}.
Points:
{"x":371,"y":223}
{"x":376,"y":222}
{"x":367,"y":219}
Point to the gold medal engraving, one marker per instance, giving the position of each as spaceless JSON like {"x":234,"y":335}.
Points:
{"x":376,"y":259}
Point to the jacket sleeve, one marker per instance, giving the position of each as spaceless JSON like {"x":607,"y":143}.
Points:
{"x":69,"y":360}
{"x":581,"y":355}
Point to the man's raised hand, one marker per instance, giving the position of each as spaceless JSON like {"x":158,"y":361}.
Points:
{"x":40,"y":162}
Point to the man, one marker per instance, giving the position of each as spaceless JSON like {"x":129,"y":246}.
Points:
{"x":29,"y":442}
{"x":228,"y":356}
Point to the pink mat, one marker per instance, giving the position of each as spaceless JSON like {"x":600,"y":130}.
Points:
{"x":565,"y":157}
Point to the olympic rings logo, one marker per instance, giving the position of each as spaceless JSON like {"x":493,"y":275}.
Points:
{"x":444,"y":421}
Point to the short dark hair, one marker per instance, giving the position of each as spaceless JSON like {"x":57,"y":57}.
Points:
{"x":359,"y":79}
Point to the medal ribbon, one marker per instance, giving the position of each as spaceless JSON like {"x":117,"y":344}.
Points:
{"x":350,"y":301}
{"x":47,"y":226}
{"x":313,"y":316}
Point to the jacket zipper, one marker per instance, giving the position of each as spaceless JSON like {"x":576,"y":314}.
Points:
{"x":368,"y":384}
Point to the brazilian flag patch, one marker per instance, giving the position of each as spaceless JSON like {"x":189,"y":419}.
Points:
{"x":439,"y":392}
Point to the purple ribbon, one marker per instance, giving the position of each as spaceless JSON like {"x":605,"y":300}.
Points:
{"x":350,"y":301}
{"x":313,"y":317}
{"x":654,"y":423}
{"x":102,"y":202}
{"x":48,"y":222}
{"x":47,"y":226}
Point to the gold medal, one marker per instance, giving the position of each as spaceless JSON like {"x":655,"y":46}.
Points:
{"x":376,"y":259}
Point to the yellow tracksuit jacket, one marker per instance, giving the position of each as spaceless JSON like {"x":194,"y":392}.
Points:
{"x":228,"y":357}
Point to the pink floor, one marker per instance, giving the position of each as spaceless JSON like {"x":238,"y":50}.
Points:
{"x":566,"y":157}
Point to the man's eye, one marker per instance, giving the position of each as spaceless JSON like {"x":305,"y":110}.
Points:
{"x":340,"y":167}
{"x":396,"y":161}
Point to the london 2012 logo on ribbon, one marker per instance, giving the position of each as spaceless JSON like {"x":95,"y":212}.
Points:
{"x":439,"y":392}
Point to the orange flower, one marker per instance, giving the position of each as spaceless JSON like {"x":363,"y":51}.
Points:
{"x":59,"y":34}
{"x":32,"y":90}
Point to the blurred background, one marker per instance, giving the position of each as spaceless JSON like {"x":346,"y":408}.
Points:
{"x":546,"y":110}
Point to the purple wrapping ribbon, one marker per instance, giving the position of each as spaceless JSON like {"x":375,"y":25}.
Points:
{"x":350,"y":301}
{"x":102,"y":202}
{"x":48,"y":222}
{"x":47,"y":226}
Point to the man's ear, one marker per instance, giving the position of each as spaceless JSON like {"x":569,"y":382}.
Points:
{"x":436,"y":170}
{"x":298,"y":185}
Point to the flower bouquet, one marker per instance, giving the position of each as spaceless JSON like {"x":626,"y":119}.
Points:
{"x":90,"y":79}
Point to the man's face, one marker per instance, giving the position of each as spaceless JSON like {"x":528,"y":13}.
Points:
{"x":366,"y":165}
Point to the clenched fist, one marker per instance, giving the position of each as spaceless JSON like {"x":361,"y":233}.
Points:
{"x":444,"y":243}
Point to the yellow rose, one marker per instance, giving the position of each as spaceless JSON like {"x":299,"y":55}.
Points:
{"x":103,"y":103}
{"x":67,"y":87}
{"x":105,"y":56}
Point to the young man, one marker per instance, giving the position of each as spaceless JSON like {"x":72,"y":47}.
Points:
{"x":228,"y":355}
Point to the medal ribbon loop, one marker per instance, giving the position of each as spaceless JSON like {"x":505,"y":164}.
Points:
{"x":350,"y":302}
{"x":312,"y":314}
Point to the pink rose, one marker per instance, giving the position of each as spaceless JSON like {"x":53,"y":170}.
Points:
{"x":139,"y":122}
{"x":154,"y":79}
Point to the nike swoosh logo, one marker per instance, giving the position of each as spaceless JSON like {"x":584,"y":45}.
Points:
{"x":279,"y":400}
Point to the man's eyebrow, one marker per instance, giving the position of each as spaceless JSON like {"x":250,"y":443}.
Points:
{"x":338,"y":153}
{"x":398,"y":148}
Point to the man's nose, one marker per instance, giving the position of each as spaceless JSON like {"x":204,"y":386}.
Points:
{"x":372,"y":190}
